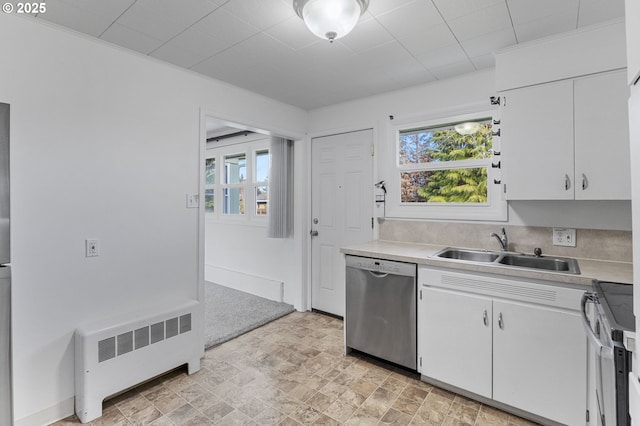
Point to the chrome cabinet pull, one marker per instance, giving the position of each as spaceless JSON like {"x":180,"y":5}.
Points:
{"x":485,"y":318}
{"x":585,"y":182}
{"x":567,"y":182}
{"x":500,"y":323}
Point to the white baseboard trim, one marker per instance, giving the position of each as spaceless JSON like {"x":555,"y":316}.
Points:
{"x":253,"y":284}
{"x":60,"y":411}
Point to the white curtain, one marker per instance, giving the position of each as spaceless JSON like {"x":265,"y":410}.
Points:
{"x":280,"y":188}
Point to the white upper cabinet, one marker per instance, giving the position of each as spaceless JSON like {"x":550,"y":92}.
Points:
{"x":567,"y":140}
{"x":537,"y":142}
{"x":602,"y":162}
{"x":632,"y":17}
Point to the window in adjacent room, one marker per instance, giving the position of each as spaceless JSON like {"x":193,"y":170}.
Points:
{"x":261,"y":182}
{"x":236,"y":183}
{"x":209,"y":185}
{"x":233,"y":188}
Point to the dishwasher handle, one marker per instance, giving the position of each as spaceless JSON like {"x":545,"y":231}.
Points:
{"x":604,"y":350}
{"x":378,"y":274}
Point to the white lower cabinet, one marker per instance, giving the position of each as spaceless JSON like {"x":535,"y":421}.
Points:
{"x":518,"y":343}
{"x":452,"y":324}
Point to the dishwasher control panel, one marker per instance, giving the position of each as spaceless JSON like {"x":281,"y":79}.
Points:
{"x":380,"y":265}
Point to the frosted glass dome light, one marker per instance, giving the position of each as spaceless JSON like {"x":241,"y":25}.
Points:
{"x":467,"y":128}
{"x":330,"y":19}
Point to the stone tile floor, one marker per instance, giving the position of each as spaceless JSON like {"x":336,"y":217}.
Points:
{"x":292,"y":371}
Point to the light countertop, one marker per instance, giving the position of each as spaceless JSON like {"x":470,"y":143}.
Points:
{"x":422,"y":254}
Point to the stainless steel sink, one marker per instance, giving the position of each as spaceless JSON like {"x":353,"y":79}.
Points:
{"x":468,"y":255}
{"x":556,"y":264}
{"x":518,"y":260}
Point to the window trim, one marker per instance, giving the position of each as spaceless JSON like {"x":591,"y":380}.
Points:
{"x":496,"y":208}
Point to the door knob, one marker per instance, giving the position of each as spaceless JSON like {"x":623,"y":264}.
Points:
{"x":313,"y":233}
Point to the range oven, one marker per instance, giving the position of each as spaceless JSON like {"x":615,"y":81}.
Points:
{"x":612,"y":316}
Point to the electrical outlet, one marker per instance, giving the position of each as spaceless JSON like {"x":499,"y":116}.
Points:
{"x":564,"y":237}
{"x":193,"y":201}
{"x":92,"y":247}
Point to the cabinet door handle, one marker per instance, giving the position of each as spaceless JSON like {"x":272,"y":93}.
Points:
{"x":485,"y":318}
{"x":567,"y":182}
{"x":500,"y":323}
{"x":585,"y":182}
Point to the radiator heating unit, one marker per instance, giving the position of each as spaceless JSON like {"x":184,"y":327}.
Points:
{"x":115,"y":354}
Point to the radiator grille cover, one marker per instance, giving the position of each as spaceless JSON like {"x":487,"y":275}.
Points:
{"x":129,"y":341}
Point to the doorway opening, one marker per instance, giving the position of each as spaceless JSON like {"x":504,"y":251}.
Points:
{"x":246,"y":274}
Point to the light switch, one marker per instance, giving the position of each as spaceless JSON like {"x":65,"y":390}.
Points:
{"x":193,"y":201}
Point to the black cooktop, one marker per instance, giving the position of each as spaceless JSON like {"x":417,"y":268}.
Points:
{"x":617,"y":301}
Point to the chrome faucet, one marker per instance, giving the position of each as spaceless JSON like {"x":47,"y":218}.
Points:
{"x":502,"y":239}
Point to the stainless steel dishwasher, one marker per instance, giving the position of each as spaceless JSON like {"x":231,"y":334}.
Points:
{"x":380,"y":317}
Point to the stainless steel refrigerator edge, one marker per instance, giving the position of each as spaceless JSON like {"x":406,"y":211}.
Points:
{"x":5,"y":273}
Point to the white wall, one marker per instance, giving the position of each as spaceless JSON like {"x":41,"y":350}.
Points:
{"x":104,"y":144}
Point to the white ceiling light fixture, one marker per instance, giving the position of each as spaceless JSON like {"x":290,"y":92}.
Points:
{"x":467,"y":128}
{"x":330,"y":19}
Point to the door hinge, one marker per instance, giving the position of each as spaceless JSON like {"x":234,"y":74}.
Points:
{"x":371,"y":222}
{"x":587,"y":415}
{"x":420,"y":361}
{"x":420,"y":294}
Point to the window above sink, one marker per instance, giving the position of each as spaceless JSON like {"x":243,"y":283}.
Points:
{"x":446,"y":168}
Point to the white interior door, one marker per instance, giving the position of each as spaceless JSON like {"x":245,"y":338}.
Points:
{"x":341,"y":207}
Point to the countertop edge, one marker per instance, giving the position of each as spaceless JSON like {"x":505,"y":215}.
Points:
{"x":422,"y":254}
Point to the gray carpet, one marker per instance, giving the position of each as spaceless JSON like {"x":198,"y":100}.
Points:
{"x":229,"y":313}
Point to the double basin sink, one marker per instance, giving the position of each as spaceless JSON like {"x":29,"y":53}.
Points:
{"x":518,"y":260}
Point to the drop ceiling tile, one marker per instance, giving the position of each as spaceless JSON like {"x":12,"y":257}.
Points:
{"x":484,"y":61}
{"x":434,"y":37}
{"x":196,"y":45}
{"x":223,"y":25}
{"x":380,"y":7}
{"x":222,"y":66}
{"x":325,"y":54}
{"x":523,"y":11}
{"x":131,"y":39}
{"x":483,"y":21}
{"x":489,"y":43}
{"x":545,"y":27}
{"x":443,"y":56}
{"x":389,"y":56}
{"x":257,"y":49}
{"x":181,"y":57}
{"x":261,"y":14}
{"x":452,"y":70}
{"x":594,"y":11}
{"x":293,"y":33}
{"x":411,"y":20}
{"x":91,"y":17}
{"x":366,"y":35}
{"x":455,"y":9}
{"x":163,"y":19}
{"x":411,"y":75}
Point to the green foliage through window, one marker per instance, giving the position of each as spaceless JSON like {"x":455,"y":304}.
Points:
{"x":429,"y":176}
